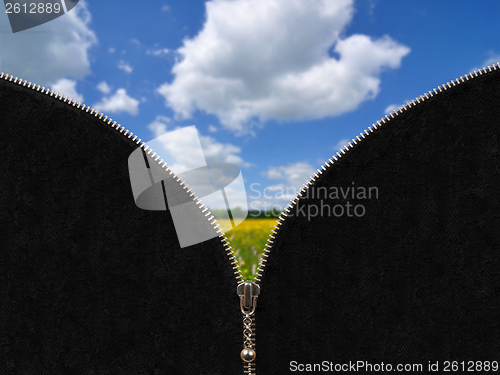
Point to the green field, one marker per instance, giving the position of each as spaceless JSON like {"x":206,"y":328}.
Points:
{"x":248,"y":240}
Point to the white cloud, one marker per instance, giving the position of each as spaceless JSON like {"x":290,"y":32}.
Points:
{"x":159,"y":125}
{"x":214,"y":151}
{"x":111,"y":50}
{"x":67,"y":87}
{"x":371,"y":7}
{"x":186,"y":150}
{"x":104,"y":88}
{"x":292,"y":175}
{"x":390,"y":108}
{"x":157,"y":52}
{"x":52,"y":51}
{"x":493,"y":60}
{"x":119,"y":102}
{"x":125,"y":67}
{"x":291,"y":178}
{"x":165,"y":8}
{"x":212,"y":129}
{"x":340,"y":144}
{"x":268,"y":59}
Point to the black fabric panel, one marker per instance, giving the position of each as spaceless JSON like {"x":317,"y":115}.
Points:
{"x":417,"y":277}
{"x":89,"y":283}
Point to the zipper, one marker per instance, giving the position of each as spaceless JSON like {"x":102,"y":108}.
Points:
{"x":248,"y":353}
{"x":248,"y":291}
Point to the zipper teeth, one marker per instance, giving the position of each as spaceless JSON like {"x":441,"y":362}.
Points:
{"x":150,"y":152}
{"x":74,"y":103}
{"x":384,"y":120}
{"x":100,"y":116}
{"x":249,"y":368}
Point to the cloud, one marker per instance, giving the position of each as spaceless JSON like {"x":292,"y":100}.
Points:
{"x":154,"y":51}
{"x":492,"y":59}
{"x":119,"y":102}
{"x":183,"y":152}
{"x":125,"y":67}
{"x":391,"y":108}
{"x":67,"y":87}
{"x":340,"y":144}
{"x":159,"y":125}
{"x":111,"y":50}
{"x":165,"y":8}
{"x":104,"y":88}
{"x":212,"y":129}
{"x":290,"y":179}
{"x":214,"y":151}
{"x":52,"y":51}
{"x":261,"y":59}
{"x":292,"y":175}
{"x":157,"y":52}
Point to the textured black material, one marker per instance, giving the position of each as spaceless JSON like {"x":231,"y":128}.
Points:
{"x":417,"y":278}
{"x":89,"y":283}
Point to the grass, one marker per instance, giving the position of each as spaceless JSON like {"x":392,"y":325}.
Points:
{"x":248,"y":240}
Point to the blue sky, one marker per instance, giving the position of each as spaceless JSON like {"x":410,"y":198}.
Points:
{"x":275,"y":86}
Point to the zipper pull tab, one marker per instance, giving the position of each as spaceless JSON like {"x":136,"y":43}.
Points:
{"x":248,"y":292}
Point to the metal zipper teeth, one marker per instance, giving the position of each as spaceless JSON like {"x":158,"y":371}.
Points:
{"x":249,"y":368}
{"x":350,"y":146}
{"x":150,"y":152}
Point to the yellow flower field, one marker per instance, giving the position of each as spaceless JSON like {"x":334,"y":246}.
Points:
{"x":248,"y":240}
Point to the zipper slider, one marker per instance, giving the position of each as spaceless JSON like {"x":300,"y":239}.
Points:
{"x":248,"y":292}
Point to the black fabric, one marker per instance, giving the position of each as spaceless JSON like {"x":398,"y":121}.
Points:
{"x":417,"y":277}
{"x":91,"y":284}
